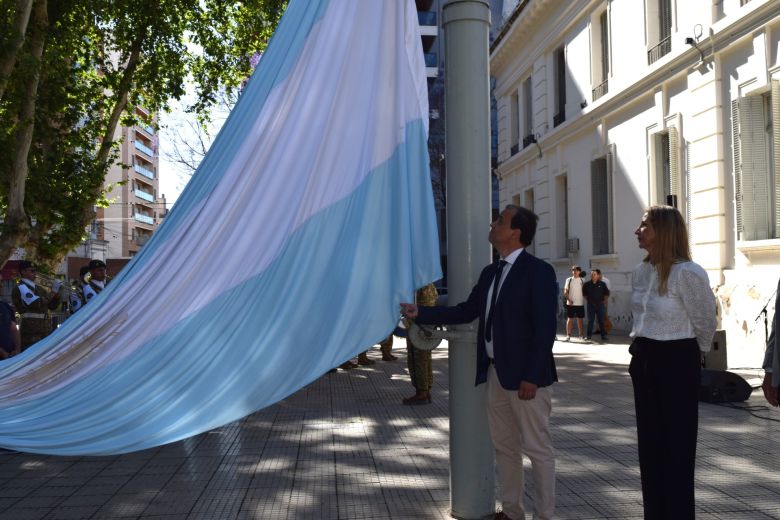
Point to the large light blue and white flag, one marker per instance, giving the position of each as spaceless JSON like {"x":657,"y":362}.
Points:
{"x":307,"y":223}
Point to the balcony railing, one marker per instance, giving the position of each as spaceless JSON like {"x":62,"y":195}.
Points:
{"x":601,"y":89}
{"x":426,"y":17}
{"x":515,"y":148}
{"x":559,"y":118}
{"x":662,"y":49}
{"x":143,"y":195}
{"x":431,"y":60}
{"x":145,"y":149}
{"x":143,"y":171}
{"x":141,"y":240}
{"x":147,"y":128}
{"x":140,"y":217}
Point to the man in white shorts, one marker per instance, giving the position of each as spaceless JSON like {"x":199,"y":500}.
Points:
{"x":575,"y":301}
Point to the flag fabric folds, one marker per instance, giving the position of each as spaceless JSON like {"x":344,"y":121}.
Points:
{"x":308,"y":222}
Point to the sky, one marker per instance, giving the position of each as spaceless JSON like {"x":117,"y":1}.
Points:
{"x":174,"y":126}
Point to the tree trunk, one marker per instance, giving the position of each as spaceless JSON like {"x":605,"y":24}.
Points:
{"x":16,"y":225}
{"x":18,"y":31}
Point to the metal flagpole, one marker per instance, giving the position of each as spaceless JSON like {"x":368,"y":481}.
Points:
{"x":466,"y":25}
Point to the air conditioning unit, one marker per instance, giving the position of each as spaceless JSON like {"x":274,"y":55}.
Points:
{"x":572,"y":245}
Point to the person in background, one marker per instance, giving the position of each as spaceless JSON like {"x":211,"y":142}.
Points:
{"x":575,"y":301}
{"x":674,"y":321}
{"x":418,"y":360}
{"x":10,"y":339}
{"x":97,"y":280}
{"x":596,"y":294}
{"x":33,"y":303}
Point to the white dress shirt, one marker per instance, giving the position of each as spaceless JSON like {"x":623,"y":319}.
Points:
{"x":510,"y":261}
{"x":687,"y":310}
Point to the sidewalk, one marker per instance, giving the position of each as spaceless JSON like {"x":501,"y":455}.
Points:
{"x":344,"y":447}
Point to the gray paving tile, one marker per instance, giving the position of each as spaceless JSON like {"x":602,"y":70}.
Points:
{"x":344,"y":447}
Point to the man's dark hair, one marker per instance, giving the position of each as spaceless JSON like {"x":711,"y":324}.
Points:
{"x":525,"y":220}
{"x":597,"y":271}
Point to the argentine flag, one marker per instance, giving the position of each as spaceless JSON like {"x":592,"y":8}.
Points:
{"x":307,"y":223}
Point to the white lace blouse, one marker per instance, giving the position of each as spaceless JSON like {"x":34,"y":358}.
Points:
{"x":687,"y":310}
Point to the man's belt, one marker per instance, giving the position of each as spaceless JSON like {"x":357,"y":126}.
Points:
{"x":33,"y":315}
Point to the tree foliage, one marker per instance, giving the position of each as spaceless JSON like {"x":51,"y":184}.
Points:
{"x":80,"y":71}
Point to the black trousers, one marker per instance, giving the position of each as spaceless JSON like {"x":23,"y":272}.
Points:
{"x":666,"y":376}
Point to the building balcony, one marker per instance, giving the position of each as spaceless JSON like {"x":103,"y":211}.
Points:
{"x":601,"y":89}
{"x":146,"y":128}
{"x":145,"y":149}
{"x":143,"y":171}
{"x":140,"y":217}
{"x":141,"y":240}
{"x":663,"y":48}
{"x":426,"y":17}
{"x":144,"y":195}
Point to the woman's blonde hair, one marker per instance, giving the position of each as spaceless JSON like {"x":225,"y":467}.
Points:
{"x":671,"y":242}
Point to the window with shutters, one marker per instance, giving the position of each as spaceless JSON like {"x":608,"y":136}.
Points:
{"x":528,"y":114}
{"x":668,"y":184}
{"x":561,"y":215}
{"x":559,"y":62}
{"x":659,"y":29}
{"x":600,"y":57}
{"x":514,"y":122}
{"x":756,"y":146}
{"x":601,"y":173}
{"x":528,"y":202}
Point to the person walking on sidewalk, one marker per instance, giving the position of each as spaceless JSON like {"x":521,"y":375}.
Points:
{"x":674,"y":321}
{"x":772,"y":358}
{"x":575,"y":301}
{"x":516,"y":303}
{"x":596,"y":294}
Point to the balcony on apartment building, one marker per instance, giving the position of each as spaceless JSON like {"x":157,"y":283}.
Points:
{"x":431,"y":64}
{"x":145,"y":219}
{"x":146,"y":172}
{"x":145,"y":149}
{"x":141,"y":240}
{"x":146,"y":128}
{"x":141,"y":194}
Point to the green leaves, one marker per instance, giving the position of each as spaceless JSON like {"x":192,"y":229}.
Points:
{"x":101,"y":59}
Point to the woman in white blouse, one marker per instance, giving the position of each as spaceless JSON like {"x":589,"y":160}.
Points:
{"x":673,"y":322}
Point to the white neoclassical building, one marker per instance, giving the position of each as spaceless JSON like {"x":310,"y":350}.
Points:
{"x":608,"y":106}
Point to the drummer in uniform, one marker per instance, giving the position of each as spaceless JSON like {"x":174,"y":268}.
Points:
{"x":33,"y":304}
{"x":97,"y":280}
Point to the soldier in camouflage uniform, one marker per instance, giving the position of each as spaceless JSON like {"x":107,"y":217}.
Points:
{"x":386,"y":347}
{"x":33,"y":303}
{"x":419,"y":361}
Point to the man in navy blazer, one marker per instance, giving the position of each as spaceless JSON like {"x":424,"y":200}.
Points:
{"x":515,"y":301}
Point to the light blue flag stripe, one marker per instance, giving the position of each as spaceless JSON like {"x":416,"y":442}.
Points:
{"x":119,"y":377}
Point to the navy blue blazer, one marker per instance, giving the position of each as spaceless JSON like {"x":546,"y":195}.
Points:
{"x":524,"y":322}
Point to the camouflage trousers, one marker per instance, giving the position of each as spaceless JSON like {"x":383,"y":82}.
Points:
{"x":420,"y":369}
{"x":386,"y":345}
{"x":32,"y":330}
